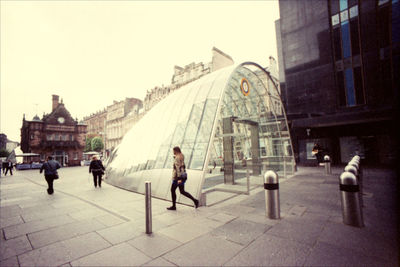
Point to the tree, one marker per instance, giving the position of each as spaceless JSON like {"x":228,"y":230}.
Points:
{"x":88,"y":145}
{"x":4,"y":153}
{"x":97,"y":144}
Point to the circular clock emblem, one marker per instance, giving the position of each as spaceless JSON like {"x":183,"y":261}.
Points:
{"x":61,"y":119}
{"x":245,"y":86}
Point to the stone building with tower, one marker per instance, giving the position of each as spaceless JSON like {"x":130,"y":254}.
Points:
{"x":56,"y":134}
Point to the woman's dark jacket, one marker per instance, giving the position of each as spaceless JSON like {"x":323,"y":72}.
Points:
{"x":96,"y":166}
{"x":50,"y":167}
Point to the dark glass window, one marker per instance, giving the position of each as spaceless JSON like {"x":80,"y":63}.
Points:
{"x":386,"y":78}
{"x":358,"y":85}
{"x":350,"y":97}
{"x":346,"y":39}
{"x":353,"y":2}
{"x":334,"y":7}
{"x":343,"y":5}
{"x":395,"y":21}
{"x":336,"y":43}
{"x":384,"y":26}
{"x":340,"y":87}
{"x":355,"y":46}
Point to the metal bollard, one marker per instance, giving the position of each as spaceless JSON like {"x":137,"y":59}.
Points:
{"x":248,"y":181}
{"x":349,"y":191}
{"x":327,"y":161}
{"x":354,"y":170}
{"x":271,"y":186}
{"x":148,"y":208}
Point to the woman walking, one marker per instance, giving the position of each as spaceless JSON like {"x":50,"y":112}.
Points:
{"x":97,"y":169}
{"x":178,"y":180}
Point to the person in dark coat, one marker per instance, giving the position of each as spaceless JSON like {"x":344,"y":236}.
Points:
{"x":50,"y":172}
{"x":97,"y":169}
{"x":9,"y":167}
{"x":318,"y":152}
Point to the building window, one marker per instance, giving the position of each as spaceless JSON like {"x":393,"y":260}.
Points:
{"x":349,"y":82}
{"x":343,"y":5}
{"x":346,"y":44}
{"x":71,"y":137}
{"x":346,"y":39}
{"x":75,"y":155}
{"x":353,"y":11}
{"x":32,"y":136}
{"x":340,"y":85}
{"x":358,"y":85}
{"x":337,"y":43}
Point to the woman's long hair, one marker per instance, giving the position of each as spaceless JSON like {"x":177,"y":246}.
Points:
{"x":178,"y":152}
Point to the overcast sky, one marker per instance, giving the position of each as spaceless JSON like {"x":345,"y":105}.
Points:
{"x":93,"y":52}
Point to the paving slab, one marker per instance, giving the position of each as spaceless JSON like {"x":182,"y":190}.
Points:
{"x":269,"y":250}
{"x":65,"y":251}
{"x":300,"y":229}
{"x":323,"y":254}
{"x":240,"y":231}
{"x":121,"y":232}
{"x":364,"y":240}
{"x":207,"y":250}
{"x":119,"y":255}
{"x":13,"y":261}
{"x":160,"y":261}
{"x":154,"y":245}
{"x":8,"y":221}
{"x":13,"y":247}
{"x":34,"y":226}
{"x":64,"y":232}
{"x":109,"y":220}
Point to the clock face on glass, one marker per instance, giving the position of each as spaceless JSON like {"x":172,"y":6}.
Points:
{"x":245,"y":86}
{"x":60,"y":119}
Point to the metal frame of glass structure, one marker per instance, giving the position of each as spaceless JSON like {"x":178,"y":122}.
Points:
{"x":191,"y":118}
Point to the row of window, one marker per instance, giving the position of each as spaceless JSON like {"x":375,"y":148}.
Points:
{"x":60,"y":157}
{"x":60,"y":137}
{"x":346,"y":38}
{"x":346,"y":49}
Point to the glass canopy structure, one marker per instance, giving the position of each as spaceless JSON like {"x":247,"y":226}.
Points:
{"x":229,"y":116}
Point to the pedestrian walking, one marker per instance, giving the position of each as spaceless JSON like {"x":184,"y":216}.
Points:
{"x":179,"y":179}
{"x":317,"y":152}
{"x":97,"y":169}
{"x":9,"y":167}
{"x":50,"y":172}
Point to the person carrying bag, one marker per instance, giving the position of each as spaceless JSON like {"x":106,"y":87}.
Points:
{"x":50,"y":172}
{"x":97,"y":169}
{"x":179,"y":177}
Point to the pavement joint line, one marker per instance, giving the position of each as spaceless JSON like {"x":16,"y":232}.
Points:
{"x":86,"y":201}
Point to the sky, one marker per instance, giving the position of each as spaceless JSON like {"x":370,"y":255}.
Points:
{"x":93,"y":52}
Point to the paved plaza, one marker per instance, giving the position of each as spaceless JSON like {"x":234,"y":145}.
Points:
{"x":85,"y":226}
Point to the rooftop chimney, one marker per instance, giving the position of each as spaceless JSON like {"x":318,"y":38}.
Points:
{"x":55,"y":102}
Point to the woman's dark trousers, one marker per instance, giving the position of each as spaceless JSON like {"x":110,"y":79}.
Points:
{"x":49,"y":180}
{"x":182,"y":190}
{"x":97,"y":178}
